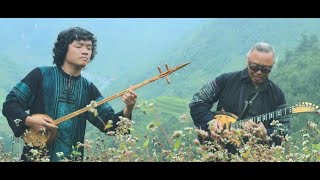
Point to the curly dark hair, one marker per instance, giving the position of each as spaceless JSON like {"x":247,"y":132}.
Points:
{"x":66,"y":37}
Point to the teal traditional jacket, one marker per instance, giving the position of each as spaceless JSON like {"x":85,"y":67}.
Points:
{"x":51,"y":91}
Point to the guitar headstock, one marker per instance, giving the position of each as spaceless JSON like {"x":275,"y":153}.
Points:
{"x":305,"y":107}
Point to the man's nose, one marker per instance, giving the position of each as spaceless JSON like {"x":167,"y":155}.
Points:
{"x":259,"y":71}
{"x":85,"y":51}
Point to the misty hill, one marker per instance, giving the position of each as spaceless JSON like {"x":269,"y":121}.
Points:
{"x":125,"y":45}
{"x":221,"y":46}
{"x":216,"y":47}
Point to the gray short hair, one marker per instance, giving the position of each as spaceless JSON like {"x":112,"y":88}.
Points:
{"x":262,"y":47}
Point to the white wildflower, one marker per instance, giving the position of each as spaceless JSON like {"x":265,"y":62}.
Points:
{"x":177,"y":134}
{"x":111,"y":133}
{"x":17,"y":121}
{"x":274,"y":122}
{"x":312,"y":124}
{"x":305,"y":142}
{"x":306,"y":135}
{"x":93,"y":105}
{"x":34,"y":152}
{"x":60,"y":154}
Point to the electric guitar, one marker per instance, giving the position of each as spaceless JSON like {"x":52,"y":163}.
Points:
{"x":229,"y":120}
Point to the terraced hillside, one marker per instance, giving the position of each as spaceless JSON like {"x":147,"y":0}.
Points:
{"x":169,"y":113}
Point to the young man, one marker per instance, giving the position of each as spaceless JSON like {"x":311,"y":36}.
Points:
{"x":60,"y":90}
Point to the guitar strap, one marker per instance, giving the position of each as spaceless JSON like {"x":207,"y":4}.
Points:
{"x":247,"y":103}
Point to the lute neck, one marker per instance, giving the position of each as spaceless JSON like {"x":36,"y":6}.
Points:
{"x":80,"y":111}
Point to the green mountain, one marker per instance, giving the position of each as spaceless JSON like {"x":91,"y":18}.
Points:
{"x":221,"y":46}
{"x":217,"y":47}
{"x":298,"y":76}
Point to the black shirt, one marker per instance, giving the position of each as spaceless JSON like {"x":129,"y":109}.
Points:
{"x":232,"y":90}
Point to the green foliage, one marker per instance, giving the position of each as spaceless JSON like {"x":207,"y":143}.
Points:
{"x":157,"y":145}
{"x":221,"y":45}
{"x":298,"y":76}
{"x":11,"y":73}
{"x":185,"y":148}
{"x":163,"y":112}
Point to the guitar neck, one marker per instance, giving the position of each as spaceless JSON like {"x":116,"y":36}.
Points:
{"x":270,"y":116}
{"x":85,"y":109}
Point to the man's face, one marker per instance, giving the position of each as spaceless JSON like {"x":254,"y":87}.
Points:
{"x":259,"y":66}
{"x":79,"y":53}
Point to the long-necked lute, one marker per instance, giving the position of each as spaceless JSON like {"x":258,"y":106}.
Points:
{"x":44,"y":138}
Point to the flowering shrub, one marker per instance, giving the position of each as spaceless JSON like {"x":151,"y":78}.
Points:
{"x":182,"y":145}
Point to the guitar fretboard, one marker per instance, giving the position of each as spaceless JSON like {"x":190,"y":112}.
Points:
{"x":266,"y":117}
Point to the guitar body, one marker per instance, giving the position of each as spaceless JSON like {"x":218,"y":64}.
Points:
{"x":225,"y":118}
{"x":39,"y":138}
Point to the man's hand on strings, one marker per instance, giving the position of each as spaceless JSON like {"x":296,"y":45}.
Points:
{"x":215,"y":128}
{"x":39,"y":123}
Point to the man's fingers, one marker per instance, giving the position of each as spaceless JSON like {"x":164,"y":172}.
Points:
{"x":129,"y":96}
{"x":215,"y":135}
{"x":218,"y":125}
{"x":50,"y":125}
{"x":246,"y":125}
{"x":261,"y":124}
{"x":227,"y":132}
{"x":252,"y":123}
{"x":49,"y":120}
{"x":125,"y":99}
{"x":133,"y":93}
{"x":128,"y":101}
{"x":215,"y":126}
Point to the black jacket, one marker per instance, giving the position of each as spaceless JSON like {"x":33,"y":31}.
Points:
{"x":232,"y":90}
